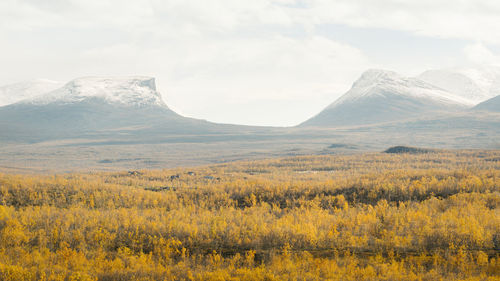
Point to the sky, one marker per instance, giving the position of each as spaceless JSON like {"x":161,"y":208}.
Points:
{"x":258,"y":62}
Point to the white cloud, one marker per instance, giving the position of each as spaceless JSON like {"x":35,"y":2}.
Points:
{"x":467,"y":19}
{"x":479,"y":54}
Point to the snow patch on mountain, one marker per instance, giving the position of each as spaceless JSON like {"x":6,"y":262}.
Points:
{"x":13,"y":93}
{"x":138,"y":91}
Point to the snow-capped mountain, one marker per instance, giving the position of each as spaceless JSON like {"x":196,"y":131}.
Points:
{"x":96,"y":106}
{"x":120,"y":91}
{"x":492,"y":105}
{"x":385,"y":96}
{"x":476,"y":83}
{"x":13,"y":93}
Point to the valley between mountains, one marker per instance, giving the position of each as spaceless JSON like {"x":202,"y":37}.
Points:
{"x":123,"y":122}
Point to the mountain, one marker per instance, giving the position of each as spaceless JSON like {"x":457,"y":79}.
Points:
{"x":475,"y":83}
{"x":97,"y":107}
{"x":136,"y":91}
{"x":13,"y":93}
{"x":384,"y":96}
{"x":492,"y":105}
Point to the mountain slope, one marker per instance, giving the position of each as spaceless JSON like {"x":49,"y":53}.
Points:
{"x":383,"y":96}
{"x":13,"y":93}
{"x":492,"y":105}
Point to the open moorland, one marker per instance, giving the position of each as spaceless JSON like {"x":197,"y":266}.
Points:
{"x":408,"y":215}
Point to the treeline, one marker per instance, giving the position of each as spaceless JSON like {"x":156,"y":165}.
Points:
{"x":358,"y":217}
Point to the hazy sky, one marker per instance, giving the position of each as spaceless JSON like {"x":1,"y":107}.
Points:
{"x":262,"y":62}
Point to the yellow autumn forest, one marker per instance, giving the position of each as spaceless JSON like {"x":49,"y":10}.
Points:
{"x":372,"y":216}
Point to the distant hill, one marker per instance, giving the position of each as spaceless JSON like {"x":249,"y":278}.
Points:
{"x":408,"y":149}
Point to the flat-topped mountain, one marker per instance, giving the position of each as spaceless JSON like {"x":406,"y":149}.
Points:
{"x":136,"y":91}
{"x":96,"y":107}
{"x":384,"y":96}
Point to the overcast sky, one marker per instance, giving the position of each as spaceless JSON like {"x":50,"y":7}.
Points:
{"x":262,"y":62}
